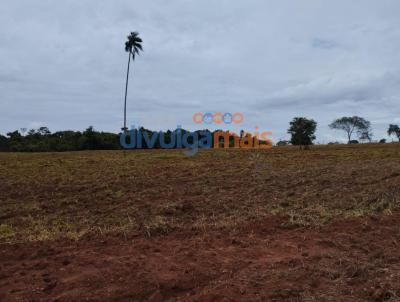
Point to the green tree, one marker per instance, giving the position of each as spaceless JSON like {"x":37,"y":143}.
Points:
{"x":351,"y":125}
{"x":394,"y":130}
{"x":302,"y":131}
{"x":15,"y":140}
{"x":133,"y":46}
{"x":90,"y":139}
{"x":44,"y":131}
{"x":4,"y":144}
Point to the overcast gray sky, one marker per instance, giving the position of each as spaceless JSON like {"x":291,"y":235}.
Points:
{"x":63,"y":64}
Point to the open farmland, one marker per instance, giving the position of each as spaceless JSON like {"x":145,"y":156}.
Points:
{"x":249,"y":225}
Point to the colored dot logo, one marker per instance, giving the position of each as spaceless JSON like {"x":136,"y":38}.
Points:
{"x":218,"y":118}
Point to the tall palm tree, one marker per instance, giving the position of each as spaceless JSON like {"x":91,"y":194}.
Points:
{"x":133,"y":46}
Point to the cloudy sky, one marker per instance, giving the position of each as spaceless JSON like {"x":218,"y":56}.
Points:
{"x":63,"y":64}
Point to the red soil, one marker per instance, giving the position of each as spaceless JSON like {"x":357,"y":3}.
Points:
{"x":353,"y":260}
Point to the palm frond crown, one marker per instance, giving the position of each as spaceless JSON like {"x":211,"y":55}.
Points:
{"x":134,"y":44}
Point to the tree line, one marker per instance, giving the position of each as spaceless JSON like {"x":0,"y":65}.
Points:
{"x":302,"y":131}
{"x":42,"y":140}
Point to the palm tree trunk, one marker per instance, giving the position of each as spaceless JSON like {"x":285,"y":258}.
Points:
{"x":126,"y":91}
